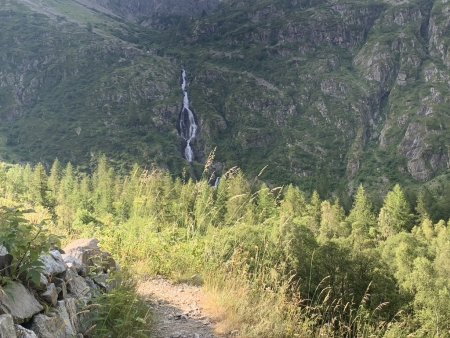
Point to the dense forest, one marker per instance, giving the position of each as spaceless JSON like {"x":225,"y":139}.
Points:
{"x":280,"y":262}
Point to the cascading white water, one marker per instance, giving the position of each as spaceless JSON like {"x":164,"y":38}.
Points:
{"x":217,"y":182}
{"x":188,"y":126}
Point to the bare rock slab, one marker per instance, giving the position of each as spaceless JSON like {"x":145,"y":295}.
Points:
{"x":53,"y":263}
{"x":64,"y":314}
{"x":77,"y":286}
{"x":19,"y":302}
{"x":24,"y":333}
{"x":88,"y":253}
{"x":7,"y":327}
{"x":50,"y":327}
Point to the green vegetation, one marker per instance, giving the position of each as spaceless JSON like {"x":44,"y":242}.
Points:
{"x":276,"y":261}
{"x":344,"y":99}
{"x":120,"y":313}
{"x":25,"y":242}
{"x":327,"y":95}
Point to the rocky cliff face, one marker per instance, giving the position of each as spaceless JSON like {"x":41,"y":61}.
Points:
{"x":137,"y":10}
{"x":325,"y":93}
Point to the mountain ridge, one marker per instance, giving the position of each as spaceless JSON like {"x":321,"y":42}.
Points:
{"x":328,"y":94}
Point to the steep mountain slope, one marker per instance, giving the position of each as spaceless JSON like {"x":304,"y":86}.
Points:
{"x":70,"y":90}
{"x":325,"y":93}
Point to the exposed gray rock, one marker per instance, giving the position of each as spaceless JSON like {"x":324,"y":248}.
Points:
{"x":71,"y":307}
{"x":7,"y":327}
{"x":50,"y":327}
{"x":53,"y":263}
{"x":74,"y":264}
{"x":134,"y":9}
{"x":77,"y":286}
{"x":24,"y":333}
{"x":19,"y":302}
{"x":50,"y":295}
{"x":64,"y":314}
{"x":87,"y":252}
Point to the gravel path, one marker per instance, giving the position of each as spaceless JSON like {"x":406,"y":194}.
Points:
{"x":177,"y":309}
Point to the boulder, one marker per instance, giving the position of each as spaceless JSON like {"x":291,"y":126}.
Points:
{"x":89,"y":254}
{"x":50,"y":295}
{"x":7,"y":327}
{"x":74,"y":264}
{"x":22,"y":332}
{"x":19,"y":302}
{"x":71,"y":307}
{"x":50,"y":327}
{"x":77,"y":286}
{"x":68,"y":322}
{"x":53,"y":263}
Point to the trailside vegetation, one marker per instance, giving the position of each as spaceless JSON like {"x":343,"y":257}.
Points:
{"x":278,"y":262}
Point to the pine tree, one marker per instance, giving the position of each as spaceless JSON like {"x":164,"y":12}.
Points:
{"x":314,"y":212}
{"x":266,"y":206}
{"x":361,"y":219}
{"x":421,"y":206}
{"x":332,"y":221}
{"x":104,"y":178}
{"x":293,"y":205}
{"x":395,"y":215}
{"x":55,"y":177}
{"x":38,"y":187}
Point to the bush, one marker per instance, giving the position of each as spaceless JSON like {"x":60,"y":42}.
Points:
{"x":25,"y":242}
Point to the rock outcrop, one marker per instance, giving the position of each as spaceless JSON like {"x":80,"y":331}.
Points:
{"x":66,"y":288}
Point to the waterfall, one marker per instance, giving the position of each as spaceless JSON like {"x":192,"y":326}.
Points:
{"x":188,"y":126}
{"x":217,"y":182}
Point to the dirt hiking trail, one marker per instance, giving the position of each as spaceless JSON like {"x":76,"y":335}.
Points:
{"x":177,"y":310}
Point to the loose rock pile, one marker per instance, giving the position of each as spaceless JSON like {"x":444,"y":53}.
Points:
{"x":59,"y":305}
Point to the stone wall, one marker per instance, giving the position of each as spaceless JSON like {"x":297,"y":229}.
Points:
{"x":61,"y":304}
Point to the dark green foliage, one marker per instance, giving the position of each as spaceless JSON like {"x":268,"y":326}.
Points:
{"x":312,"y":89}
{"x":25,"y":242}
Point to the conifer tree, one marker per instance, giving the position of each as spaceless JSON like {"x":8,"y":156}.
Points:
{"x":65,"y":209}
{"x":332,"y":221}
{"x":38,"y":187}
{"x":421,"y":206}
{"x":55,"y":177}
{"x":361,"y":219}
{"x":266,"y":206}
{"x":104,"y":179}
{"x":85,"y":194}
{"x":293,"y":205}
{"x":314,"y":211}
{"x":395,"y":215}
